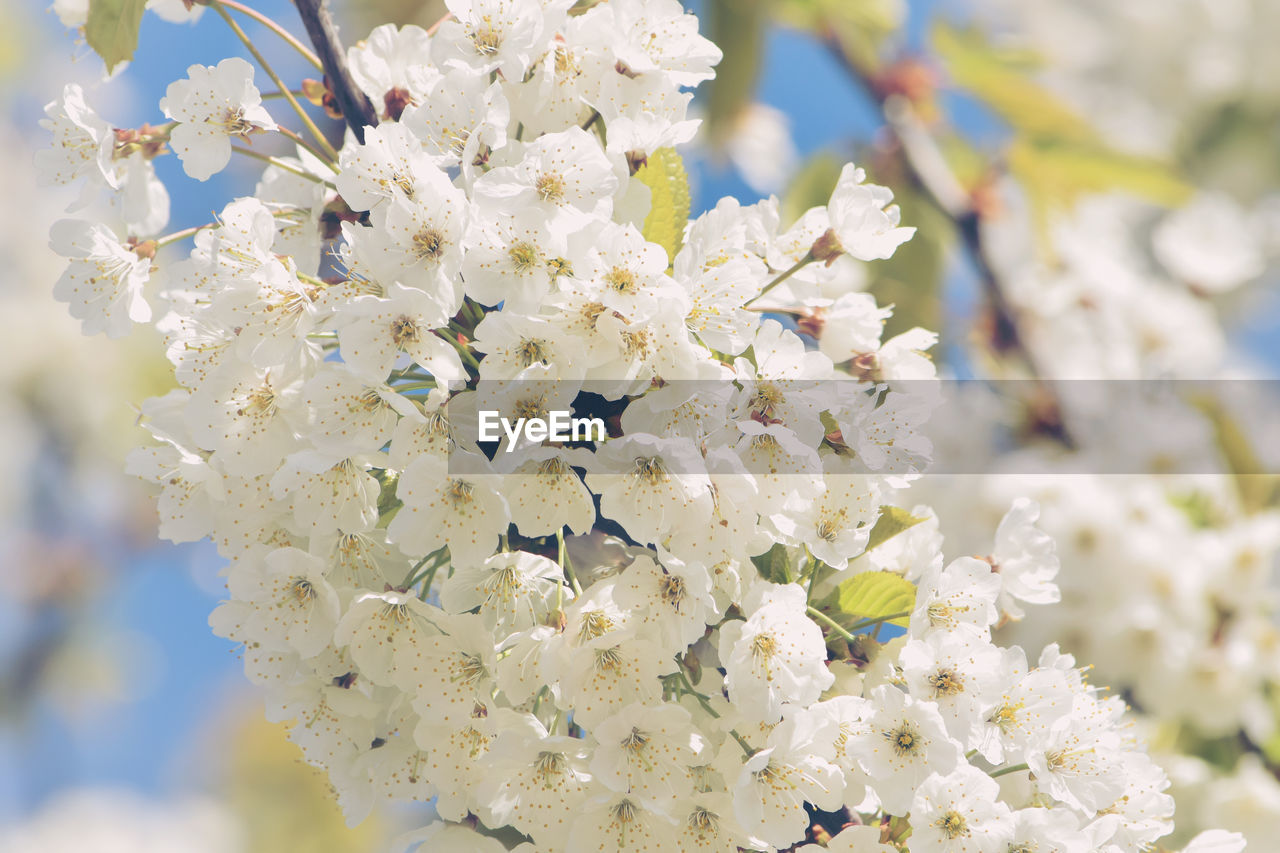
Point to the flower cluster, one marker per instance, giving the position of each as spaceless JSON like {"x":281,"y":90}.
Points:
{"x":665,"y":640}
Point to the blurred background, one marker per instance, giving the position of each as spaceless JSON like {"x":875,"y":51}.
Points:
{"x":1097,"y":191}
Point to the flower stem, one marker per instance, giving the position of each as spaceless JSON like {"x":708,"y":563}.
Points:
{"x":847,"y":633}
{"x":448,"y":16}
{"x":1014,"y":768}
{"x":566,"y":564}
{"x":315,"y":152}
{"x":280,"y":164}
{"x":330,"y":153}
{"x":783,"y":276}
{"x":829,"y":622}
{"x":176,"y":236}
{"x":879,"y":620}
{"x":293,"y":42}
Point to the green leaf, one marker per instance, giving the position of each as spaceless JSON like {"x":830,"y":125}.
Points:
{"x":1257,"y":490}
{"x":666,"y":179}
{"x":1055,"y":174}
{"x":872,"y":595}
{"x":112,"y":29}
{"x":738,"y":27}
{"x":861,"y":25}
{"x":1002,"y":83}
{"x":912,"y":281}
{"x":811,"y":186}
{"x":891,"y":522}
{"x":775,"y":564}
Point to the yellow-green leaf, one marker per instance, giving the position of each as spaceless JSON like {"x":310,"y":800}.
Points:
{"x":112,"y":29}
{"x":891,"y":522}
{"x":811,"y":186}
{"x":874,"y":595}
{"x":1003,"y":84}
{"x":1056,"y":174}
{"x":666,"y":179}
{"x":1257,"y":490}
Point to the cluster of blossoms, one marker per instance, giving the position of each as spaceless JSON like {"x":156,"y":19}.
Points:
{"x":649,"y":642}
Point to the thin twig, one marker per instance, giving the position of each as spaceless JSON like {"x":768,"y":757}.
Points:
{"x":431,"y":30}
{"x":356,"y":106}
{"x":311,"y":149}
{"x":275,"y":28}
{"x":280,"y":164}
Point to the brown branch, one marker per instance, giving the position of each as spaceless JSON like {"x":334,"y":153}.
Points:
{"x":356,"y":106}
{"x":927,"y":169}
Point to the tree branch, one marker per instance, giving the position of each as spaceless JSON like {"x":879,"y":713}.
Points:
{"x":928,"y":170}
{"x":356,"y":107}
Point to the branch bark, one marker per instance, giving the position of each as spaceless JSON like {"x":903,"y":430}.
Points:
{"x":356,"y":106}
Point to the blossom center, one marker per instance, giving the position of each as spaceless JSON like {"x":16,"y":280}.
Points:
{"x":524,"y":256}
{"x":550,"y":187}
{"x":621,"y":280}
{"x":946,"y":682}
{"x":904,"y":740}
{"x":405,"y":330}
{"x":531,"y":351}
{"x":428,"y":244}
{"x":952,"y":825}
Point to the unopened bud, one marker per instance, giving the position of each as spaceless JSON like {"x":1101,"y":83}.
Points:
{"x":395,"y":101}
{"x":827,"y":247}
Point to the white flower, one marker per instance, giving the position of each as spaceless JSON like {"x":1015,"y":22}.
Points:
{"x":776,"y":782}
{"x":536,"y":783}
{"x":463,"y":511}
{"x":961,"y":597}
{"x":854,"y":839}
{"x":647,"y":752}
{"x":962,"y":674}
{"x":674,"y":597}
{"x":1216,"y":841}
{"x":246,"y":416}
{"x":295,"y":608}
{"x":514,"y":591}
{"x":415,"y":243}
{"x":461,"y":119}
{"x":386,"y":166}
{"x":1025,"y":559}
{"x":373,"y":331}
{"x":82,"y":145}
{"x":776,"y":656}
{"x":213,"y":105}
{"x":851,"y":326}
{"x":391,"y":66}
{"x":862,"y":222}
{"x":511,"y":259}
{"x":904,"y":742}
{"x":619,"y":824}
{"x":960,"y":813}
{"x":103,"y":282}
{"x":651,"y":486}
{"x":545,"y":494}
{"x":836,"y":524}
{"x":566,"y":175}
{"x":761,"y":147}
{"x":1211,"y":244}
{"x":654,"y":36}
{"x":388,"y":635}
{"x":506,"y":35}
